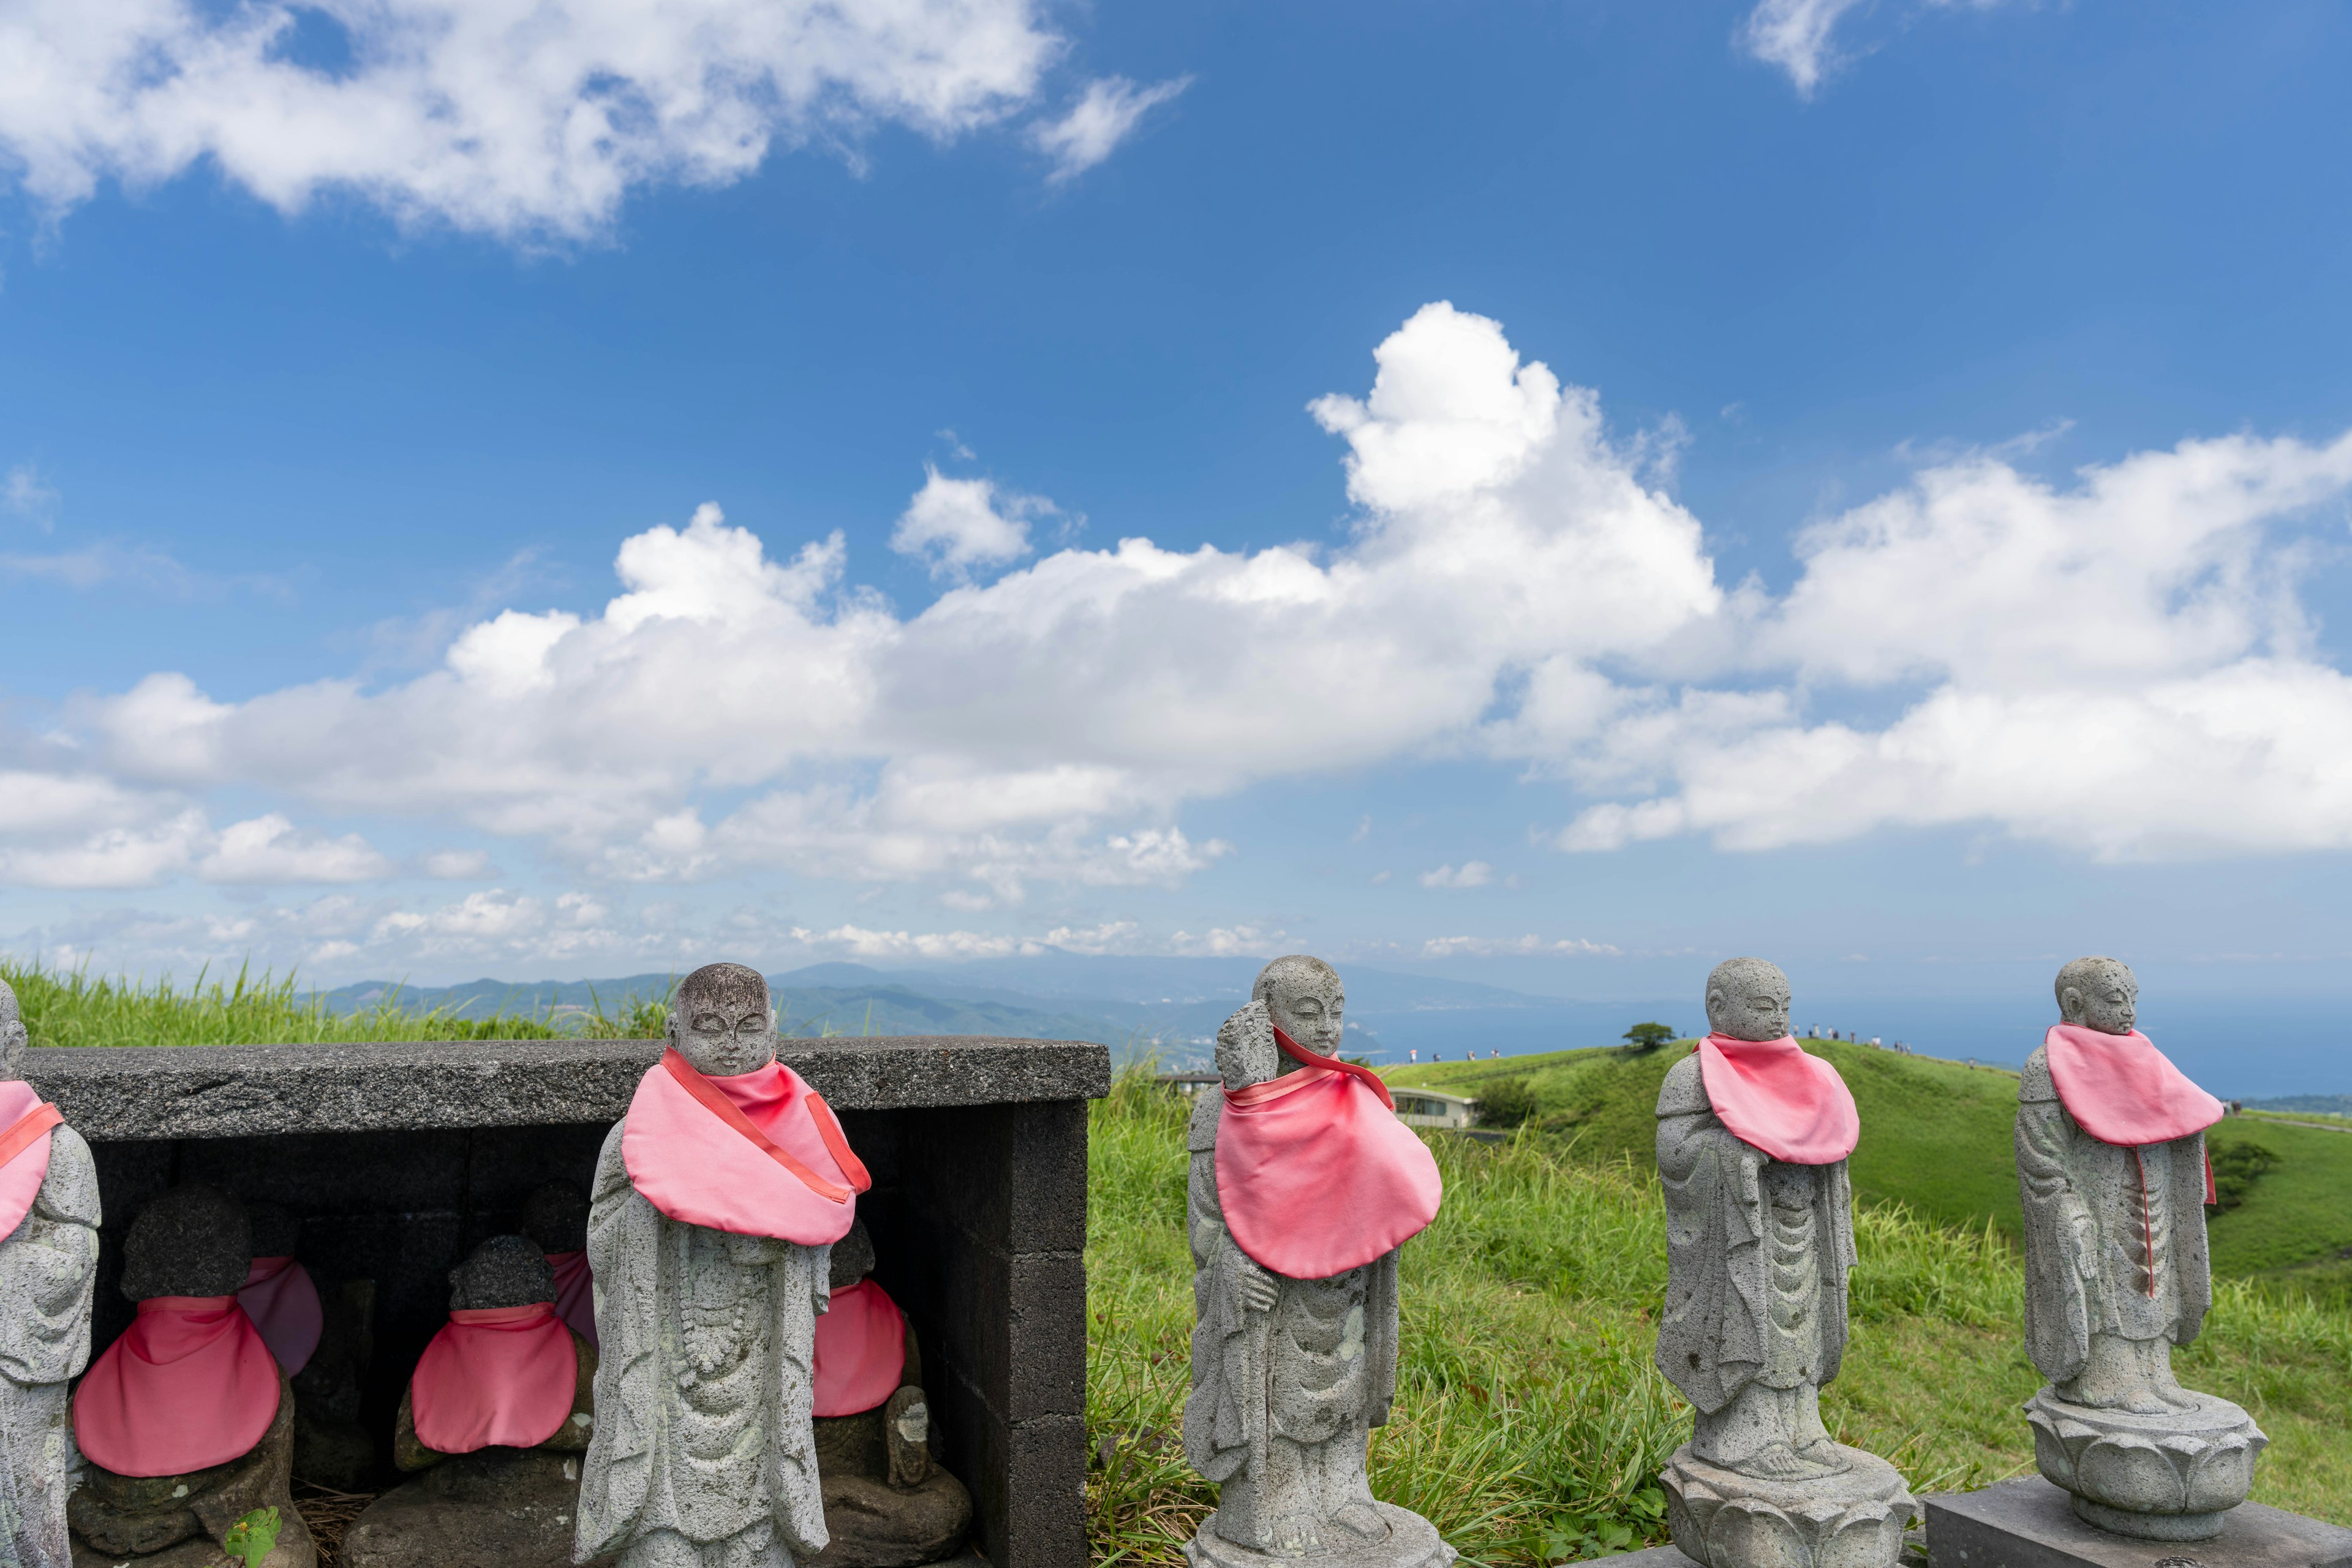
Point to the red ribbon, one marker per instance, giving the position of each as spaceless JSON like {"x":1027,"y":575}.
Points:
{"x":714,"y":1099}
{"x":29,"y":1129}
{"x":1299,"y":1053}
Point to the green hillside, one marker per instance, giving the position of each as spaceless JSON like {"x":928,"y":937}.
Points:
{"x":1936,"y":1137}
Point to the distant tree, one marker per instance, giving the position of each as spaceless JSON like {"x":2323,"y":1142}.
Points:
{"x":1508,"y":1103}
{"x":1647,"y":1037}
{"x":2236,"y":1168}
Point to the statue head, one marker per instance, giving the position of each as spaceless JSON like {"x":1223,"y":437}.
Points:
{"x":852,"y":1257}
{"x":2098,"y":993}
{"x":1304,"y":999}
{"x":1748,"y":999}
{"x":504,"y":1271}
{"x":720,"y":1021}
{"x":556,"y":1217}
{"x":193,"y":1241}
{"x":12,"y":1038}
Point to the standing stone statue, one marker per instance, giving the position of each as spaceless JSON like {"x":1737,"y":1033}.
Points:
{"x":2111,"y":1169}
{"x":1304,"y":1184}
{"x":49,"y":1260}
{"x":715,"y":1206}
{"x":1753,"y":1136}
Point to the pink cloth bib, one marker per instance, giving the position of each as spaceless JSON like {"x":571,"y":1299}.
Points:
{"x":283,"y":1302}
{"x":777,"y":1167}
{"x":495,"y":1375}
{"x":861,"y":1350}
{"x":25,"y":1122}
{"x":1771,"y":1094}
{"x":189,"y":1385}
{"x":2120,"y":1089}
{"x":1318,"y":1176}
{"x":575,"y":1293}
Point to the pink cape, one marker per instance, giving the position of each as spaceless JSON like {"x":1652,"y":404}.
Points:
{"x":754,"y":1153}
{"x":861,"y":1350}
{"x":283,"y":1302}
{"x":575,"y":1293}
{"x":1316,"y":1174}
{"x":189,"y":1385}
{"x":1771,"y":1094}
{"x":2120,"y":1089}
{"x":25,"y":1122}
{"x":495,"y":1375}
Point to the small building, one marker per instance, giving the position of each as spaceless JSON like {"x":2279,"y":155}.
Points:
{"x":1429,"y":1108}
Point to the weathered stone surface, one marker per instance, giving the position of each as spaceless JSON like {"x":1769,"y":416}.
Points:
{"x":2162,"y":1478}
{"x":502,"y":1508}
{"x":141,"y":1519}
{"x":1412,"y":1541}
{"x":230,"y":1091}
{"x":2029,"y":1524}
{"x":191,"y":1241}
{"x":1726,"y":1519}
{"x":504,"y":1271}
{"x":1648,"y":1557}
{"x":294,"y":1549}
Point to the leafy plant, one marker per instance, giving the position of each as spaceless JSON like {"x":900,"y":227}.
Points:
{"x":1507,"y":1103}
{"x":2237,"y":1168}
{"x":1644,"y":1037}
{"x":253,"y":1537}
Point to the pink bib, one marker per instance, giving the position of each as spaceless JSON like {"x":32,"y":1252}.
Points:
{"x":861,"y":1350}
{"x":501,"y":1376}
{"x":575,"y":1293}
{"x":189,"y":1385}
{"x":755,"y":1153}
{"x":1318,"y":1176}
{"x":25,"y":1122}
{"x":2121,"y":1090}
{"x":283,"y":1302}
{"x":1771,"y":1094}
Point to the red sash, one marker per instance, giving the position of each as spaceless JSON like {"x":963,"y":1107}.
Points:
{"x":575,"y":1293}
{"x":282,"y":1299}
{"x":29,"y":1120}
{"x":494,"y":1377}
{"x":1774,"y":1097}
{"x":861,"y":1350}
{"x":755,"y":1153}
{"x":189,"y":1385}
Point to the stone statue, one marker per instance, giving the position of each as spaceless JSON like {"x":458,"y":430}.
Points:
{"x":1753,"y":1136}
{"x":716,"y":1200}
{"x":158,"y":1485}
{"x":1291,"y":1368}
{"x":324,"y":1339}
{"x":2111,"y":1170}
{"x":49,"y":1258}
{"x":888,"y":1504}
{"x":507,"y":1411}
{"x":556,"y":1217}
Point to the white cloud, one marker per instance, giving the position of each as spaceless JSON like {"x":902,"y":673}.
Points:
{"x":1105,"y":114}
{"x":458,"y":865}
{"x":1472,"y":874}
{"x":30,"y":497}
{"x":957,"y":524}
{"x":1491,"y":947}
{"x":1798,"y":35}
{"x":271,"y":849}
{"x":522,"y":118}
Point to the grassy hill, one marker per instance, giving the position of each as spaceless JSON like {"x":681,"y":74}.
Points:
{"x":1936,"y":1138}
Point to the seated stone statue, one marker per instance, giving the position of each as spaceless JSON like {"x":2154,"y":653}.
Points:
{"x":2112,"y":1173}
{"x":322,"y":1339}
{"x":186,"y":1421}
{"x":497,"y":1414}
{"x":555,"y":1215}
{"x":886,"y":1504}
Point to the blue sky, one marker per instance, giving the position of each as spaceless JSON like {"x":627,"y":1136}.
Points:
{"x":1611,"y":485}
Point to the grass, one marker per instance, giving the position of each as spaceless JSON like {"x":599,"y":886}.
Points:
{"x":72,"y":1008}
{"x":1529,"y":1422}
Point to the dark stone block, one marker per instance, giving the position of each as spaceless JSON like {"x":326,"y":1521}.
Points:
{"x":1045,"y":1473}
{"x":2028,"y":1524}
{"x":1649,"y":1557}
{"x":1044,"y":1305}
{"x":313,"y":1174}
{"x":1047,"y":1180}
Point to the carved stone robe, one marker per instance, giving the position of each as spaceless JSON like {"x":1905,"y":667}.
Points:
{"x":47,"y":1273}
{"x":2135,"y":1216}
{"x":1281,"y":1401}
{"x":705,"y":1387}
{"x":1756,"y":1255}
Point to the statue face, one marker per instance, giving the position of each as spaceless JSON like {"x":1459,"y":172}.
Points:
{"x":722,"y":1038}
{"x":1309,"y":1014}
{"x":2107,"y":1001}
{"x":1748,"y":1000}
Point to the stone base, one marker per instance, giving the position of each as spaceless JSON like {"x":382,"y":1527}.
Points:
{"x":2162,"y":1478}
{"x":500,"y":1508}
{"x":1721,"y":1518}
{"x":1412,"y":1543}
{"x":2029,"y":1524}
{"x":294,"y":1549}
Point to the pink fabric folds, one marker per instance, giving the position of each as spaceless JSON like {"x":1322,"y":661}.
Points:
{"x":2121,"y":1090}
{"x":1318,"y":1176}
{"x":495,"y":1375}
{"x":25,"y":1122}
{"x":755,"y":1153}
{"x":283,"y":1302}
{"x":575,"y":1293}
{"x":189,"y":1385}
{"x":861,"y":1350}
{"x":1770,"y":1093}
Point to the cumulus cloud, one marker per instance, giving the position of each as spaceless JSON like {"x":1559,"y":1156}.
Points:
{"x":1472,"y":874}
{"x":519,"y":118}
{"x":271,"y":849}
{"x":957,"y":524}
{"x":1105,"y":114}
{"x":1799,"y":35}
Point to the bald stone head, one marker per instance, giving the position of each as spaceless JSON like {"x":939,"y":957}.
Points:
{"x":12,"y":1034}
{"x":720,"y":1021}
{"x":504,"y":1271}
{"x":2098,"y":993}
{"x":191,"y":1241}
{"x":1304,"y":997}
{"x":1748,"y":999}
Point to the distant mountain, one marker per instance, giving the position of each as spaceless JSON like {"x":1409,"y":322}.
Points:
{"x":2329,"y":1104}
